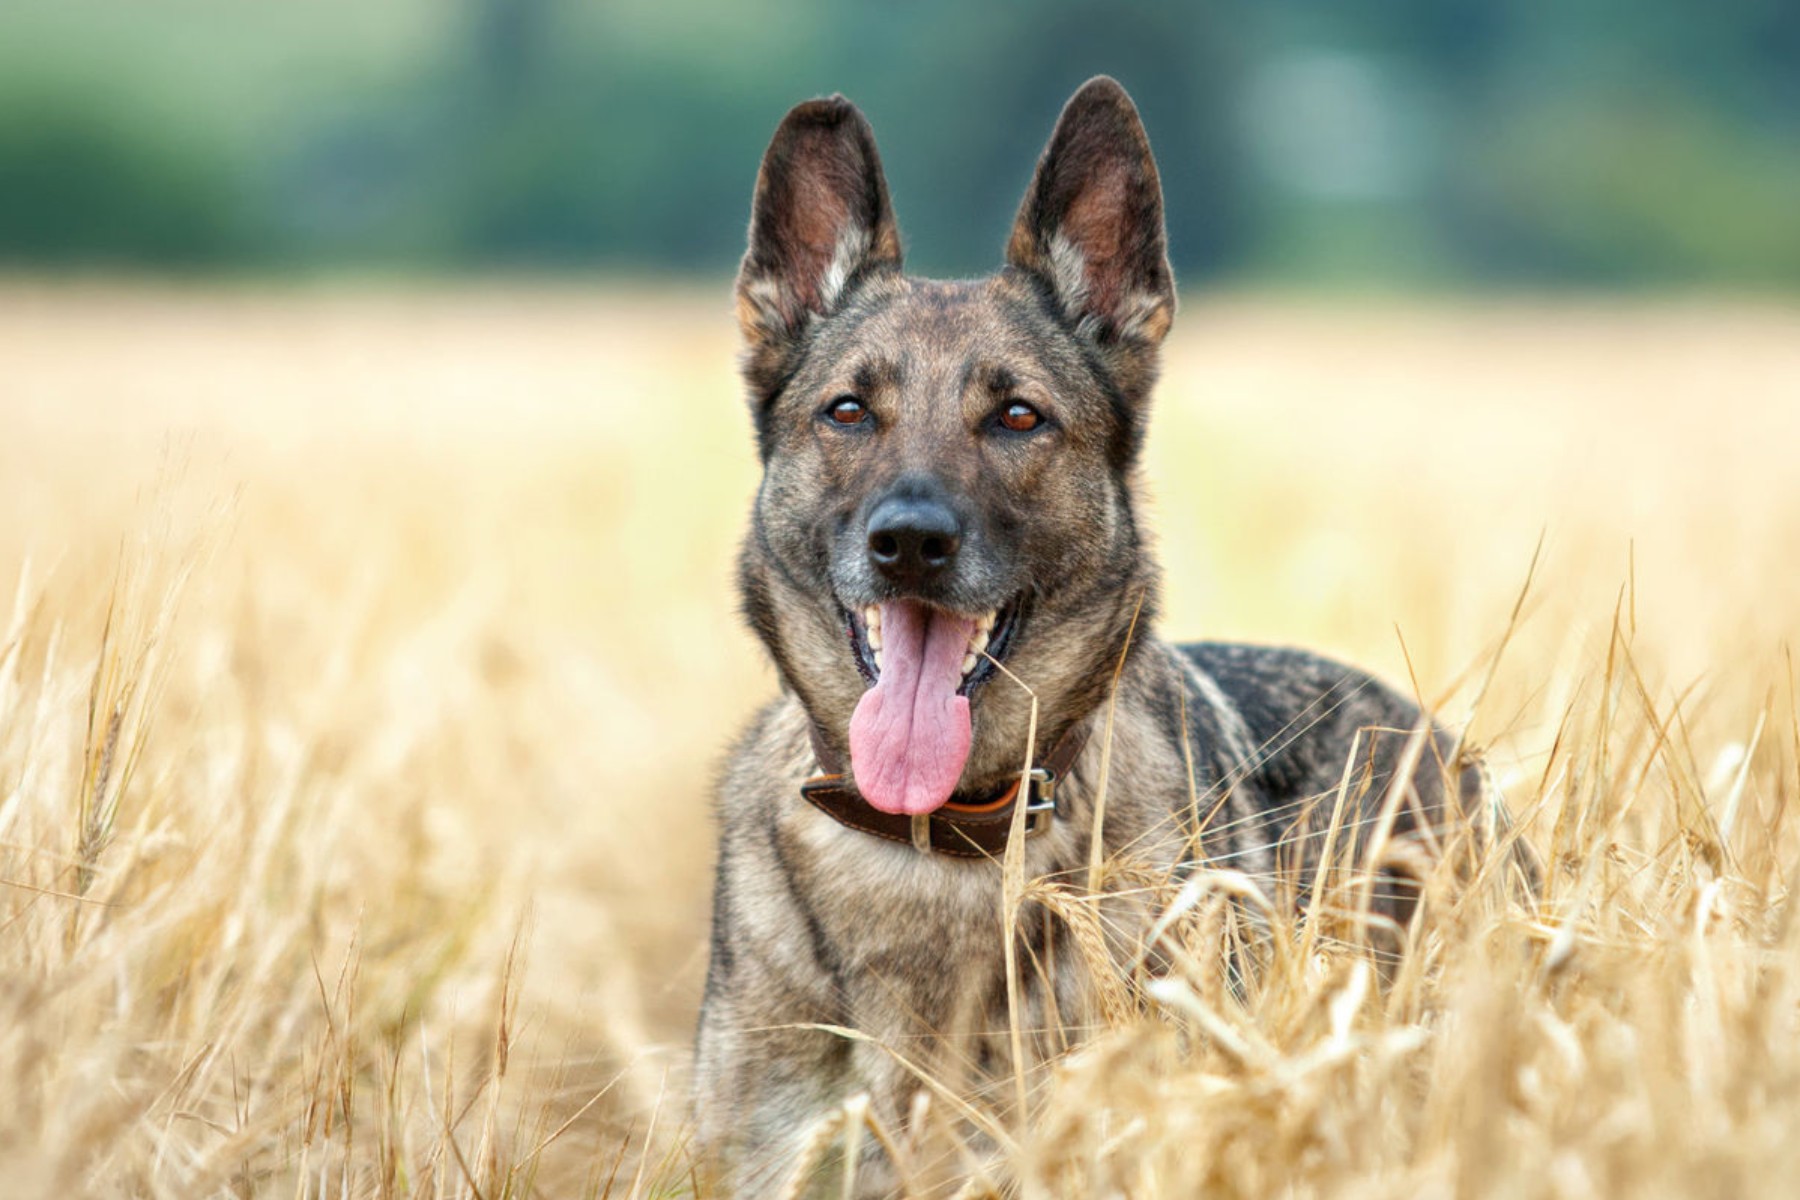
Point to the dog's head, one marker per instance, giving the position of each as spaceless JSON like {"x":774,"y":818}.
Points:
{"x":948,"y":467}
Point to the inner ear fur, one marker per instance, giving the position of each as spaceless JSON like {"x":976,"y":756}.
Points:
{"x":1091,"y":224}
{"x":821,"y":219}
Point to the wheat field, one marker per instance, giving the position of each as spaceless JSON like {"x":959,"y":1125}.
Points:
{"x":366,"y":651}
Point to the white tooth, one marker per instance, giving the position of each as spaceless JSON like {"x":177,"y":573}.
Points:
{"x":875,"y":637}
{"x":968,"y":663}
{"x":978,"y":643}
{"x":877,"y":660}
{"x":986,"y":624}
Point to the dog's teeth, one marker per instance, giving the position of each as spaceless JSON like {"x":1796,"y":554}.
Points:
{"x":877,"y":650}
{"x":875,"y":637}
{"x":978,"y":643}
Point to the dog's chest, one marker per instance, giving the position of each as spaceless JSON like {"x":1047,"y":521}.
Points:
{"x":917,"y":938}
{"x":881,"y":899}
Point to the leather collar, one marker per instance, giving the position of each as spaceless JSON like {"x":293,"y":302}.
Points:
{"x":959,"y":829}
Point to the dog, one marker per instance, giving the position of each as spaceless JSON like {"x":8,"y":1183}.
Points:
{"x":945,"y":561}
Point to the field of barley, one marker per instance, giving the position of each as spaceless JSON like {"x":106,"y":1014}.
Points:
{"x":366,"y":650}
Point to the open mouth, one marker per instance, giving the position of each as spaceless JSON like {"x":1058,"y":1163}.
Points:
{"x":912,"y":729}
{"x":986,"y":646}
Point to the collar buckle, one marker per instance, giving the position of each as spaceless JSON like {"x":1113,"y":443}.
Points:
{"x":1041,"y":804}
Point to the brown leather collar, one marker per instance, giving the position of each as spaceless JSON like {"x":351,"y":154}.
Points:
{"x":961,"y":830}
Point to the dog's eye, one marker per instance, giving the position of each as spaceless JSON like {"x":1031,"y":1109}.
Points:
{"x":847,"y":410}
{"x":1020,"y":417}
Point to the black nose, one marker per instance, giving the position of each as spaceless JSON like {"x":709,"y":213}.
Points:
{"x":912,"y":540}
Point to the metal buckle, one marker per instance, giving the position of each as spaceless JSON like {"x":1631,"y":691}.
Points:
{"x":1040,"y":805}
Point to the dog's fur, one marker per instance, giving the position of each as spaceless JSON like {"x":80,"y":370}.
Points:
{"x":1238,"y":751}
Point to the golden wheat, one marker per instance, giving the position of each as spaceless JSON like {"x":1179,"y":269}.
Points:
{"x":369,"y":648}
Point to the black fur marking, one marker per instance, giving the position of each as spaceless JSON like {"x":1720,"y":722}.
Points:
{"x":824,"y":953}
{"x":723,"y":961}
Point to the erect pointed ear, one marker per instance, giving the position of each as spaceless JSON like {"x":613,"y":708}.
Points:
{"x":1091,"y":225}
{"x":821,"y":219}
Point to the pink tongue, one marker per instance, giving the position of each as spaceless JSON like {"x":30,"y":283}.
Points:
{"x":909,"y":736}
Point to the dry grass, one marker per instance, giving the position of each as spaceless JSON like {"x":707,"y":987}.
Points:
{"x":370,"y":650}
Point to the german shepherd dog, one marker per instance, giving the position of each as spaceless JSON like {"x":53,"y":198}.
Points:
{"x":948,"y":530}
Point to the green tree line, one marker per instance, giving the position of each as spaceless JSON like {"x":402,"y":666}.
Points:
{"x":1592,"y":142}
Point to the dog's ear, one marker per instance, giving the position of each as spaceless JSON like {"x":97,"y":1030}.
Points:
{"x":1091,"y":226}
{"x":820,"y":221}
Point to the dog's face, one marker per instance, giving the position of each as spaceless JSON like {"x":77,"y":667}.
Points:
{"x":948,"y":467}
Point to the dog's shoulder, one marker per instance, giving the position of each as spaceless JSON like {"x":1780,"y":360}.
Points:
{"x":762,"y":904}
{"x":756,"y":776}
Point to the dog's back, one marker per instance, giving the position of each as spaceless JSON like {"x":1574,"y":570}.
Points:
{"x":1331,"y":758}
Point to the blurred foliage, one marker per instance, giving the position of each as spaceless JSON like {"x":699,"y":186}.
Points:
{"x":1398,"y":141}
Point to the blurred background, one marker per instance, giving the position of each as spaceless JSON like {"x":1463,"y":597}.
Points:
{"x":1435,"y":142}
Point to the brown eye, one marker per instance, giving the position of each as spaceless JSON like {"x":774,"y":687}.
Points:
{"x":847,"y":410}
{"x":1020,"y":417}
